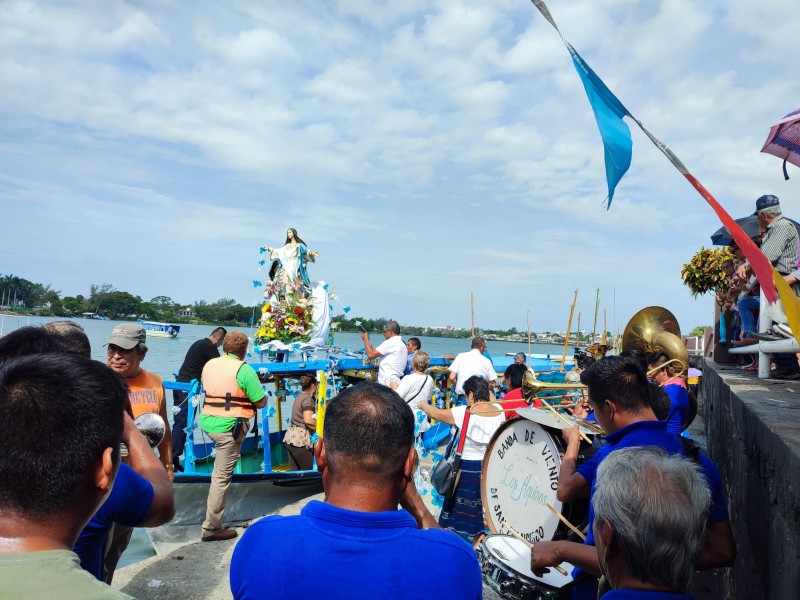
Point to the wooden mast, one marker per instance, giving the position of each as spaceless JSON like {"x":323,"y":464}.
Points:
{"x":569,"y":325}
{"x":529,"y":331}
{"x":579,"y":329}
{"x":596,"y":309}
{"x":472,"y":311}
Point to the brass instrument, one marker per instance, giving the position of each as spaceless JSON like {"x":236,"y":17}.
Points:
{"x":655,"y":329}
{"x":532,"y":386}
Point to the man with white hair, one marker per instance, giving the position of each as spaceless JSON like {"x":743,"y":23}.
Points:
{"x":780,"y":246}
{"x":650,"y":510}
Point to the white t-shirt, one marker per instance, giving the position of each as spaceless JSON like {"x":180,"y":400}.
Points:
{"x":414,"y":388}
{"x":479,"y":432}
{"x":393,"y":360}
{"x":471,"y":363}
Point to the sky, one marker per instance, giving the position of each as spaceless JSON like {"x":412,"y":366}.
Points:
{"x":427,"y":149}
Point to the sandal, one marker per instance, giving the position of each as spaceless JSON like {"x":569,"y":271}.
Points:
{"x":751,"y":368}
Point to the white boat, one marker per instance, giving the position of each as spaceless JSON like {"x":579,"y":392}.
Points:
{"x":160,"y":330}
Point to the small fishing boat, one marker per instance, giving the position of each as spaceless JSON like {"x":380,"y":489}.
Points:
{"x":160,"y":330}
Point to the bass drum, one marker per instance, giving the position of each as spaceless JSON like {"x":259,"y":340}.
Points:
{"x":519,"y":480}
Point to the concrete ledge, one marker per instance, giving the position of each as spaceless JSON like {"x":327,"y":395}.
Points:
{"x":753,"y":431}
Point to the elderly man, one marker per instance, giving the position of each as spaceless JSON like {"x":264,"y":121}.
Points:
{"x":467,"y":364}
{"x":199,"y":353}
{"x":233,"y":392}
{"x":126,"y":351}
{"x":356,"y":544}
{"x":650,"y":510}
{"x":779,"y":245}
{"x":620,"y":396}
{"x":392,"y":352}
{"x":51,"y":488}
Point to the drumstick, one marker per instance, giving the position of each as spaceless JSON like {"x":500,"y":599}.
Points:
{"x":566,"y":522}
{"x":567,"y":421}
{"x":529,"y":545}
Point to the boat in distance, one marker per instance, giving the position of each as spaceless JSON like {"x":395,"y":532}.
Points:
{"x":160,"y":330}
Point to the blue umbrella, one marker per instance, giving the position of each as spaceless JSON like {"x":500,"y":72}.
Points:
{"x":749,"y":225}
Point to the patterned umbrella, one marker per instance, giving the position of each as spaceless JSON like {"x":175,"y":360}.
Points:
{"x":784,"y":140}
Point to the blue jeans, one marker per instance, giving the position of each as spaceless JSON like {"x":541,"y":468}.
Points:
{"x":748,"y":309}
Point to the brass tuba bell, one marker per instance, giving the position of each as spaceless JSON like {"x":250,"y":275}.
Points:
{"x":655,"y":329}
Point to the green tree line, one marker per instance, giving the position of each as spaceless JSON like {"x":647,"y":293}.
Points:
{"x":21,"y":295}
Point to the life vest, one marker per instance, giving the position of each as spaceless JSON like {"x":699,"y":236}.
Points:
{"x":224,"y":397}
{"x":146,"y":393}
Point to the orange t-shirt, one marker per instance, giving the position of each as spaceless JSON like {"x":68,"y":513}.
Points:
{"x":147,"y":393}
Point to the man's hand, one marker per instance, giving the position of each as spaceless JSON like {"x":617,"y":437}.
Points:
{"x":543,"y":555}
{"x":364,"y":337}
{"x":572,"y":435}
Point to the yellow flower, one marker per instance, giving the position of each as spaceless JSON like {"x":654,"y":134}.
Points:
{"x":265,"y":308}
{"x":291,"y":321}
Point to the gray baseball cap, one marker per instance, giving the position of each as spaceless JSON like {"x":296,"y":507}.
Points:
{"x":127,"y":335}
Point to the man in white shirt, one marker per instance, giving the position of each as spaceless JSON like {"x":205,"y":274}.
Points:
{"x":392,"y":352}
{"x":472,"y":363}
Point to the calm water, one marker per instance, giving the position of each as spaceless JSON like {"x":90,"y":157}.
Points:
{"x":165,"y":357}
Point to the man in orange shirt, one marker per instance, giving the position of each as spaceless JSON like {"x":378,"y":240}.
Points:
{"x":126,"y":351}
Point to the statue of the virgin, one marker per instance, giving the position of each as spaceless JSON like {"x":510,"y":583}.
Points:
{"x":292,"y":260}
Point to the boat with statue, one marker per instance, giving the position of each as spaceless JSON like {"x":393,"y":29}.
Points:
{"x":292,"y":338}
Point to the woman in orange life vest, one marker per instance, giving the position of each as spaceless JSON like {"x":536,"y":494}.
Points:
{"x":233,"y":393}
{"x":126,"y":351}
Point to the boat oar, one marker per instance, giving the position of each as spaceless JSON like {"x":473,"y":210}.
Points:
{"x":564,"y":520}
{"x":529,"y":545}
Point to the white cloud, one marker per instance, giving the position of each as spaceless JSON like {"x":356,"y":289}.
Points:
{"x":447,"y":143}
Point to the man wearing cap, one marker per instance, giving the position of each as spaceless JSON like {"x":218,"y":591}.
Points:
{"x":780,"y":246}
{"x":126,"y":351}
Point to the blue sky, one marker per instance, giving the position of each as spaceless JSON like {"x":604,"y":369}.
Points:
{"x":427,"y":149}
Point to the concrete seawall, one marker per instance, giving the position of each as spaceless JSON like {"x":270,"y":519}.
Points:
{"x":753,"y":430}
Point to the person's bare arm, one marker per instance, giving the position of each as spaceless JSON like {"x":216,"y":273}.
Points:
{"x":309,"y":420}
{"x":146,"y":464}
{"x":165,"y":447}
{"x":369,"y":348}
{"x":549,"y":554}
{"x":719,"y":547}
{"x":440,"y":414}
{"x":571,"y":484}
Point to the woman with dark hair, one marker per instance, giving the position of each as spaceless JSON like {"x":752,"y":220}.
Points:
{"x":484,"y":420}
{"x":298,"y":437}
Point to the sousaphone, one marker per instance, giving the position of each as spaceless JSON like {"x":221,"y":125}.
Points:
{"x":655,"y":329}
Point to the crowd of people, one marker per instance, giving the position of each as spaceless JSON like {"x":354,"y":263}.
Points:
{"x":82,"y":474}
{"x":740,"y":304}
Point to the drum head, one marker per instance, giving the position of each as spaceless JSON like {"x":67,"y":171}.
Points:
{"x":519,"y":479}
{"x":516,"y":556}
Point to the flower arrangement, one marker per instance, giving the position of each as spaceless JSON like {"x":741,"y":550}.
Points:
{"x":703,"y":273}
{"x":287,"y":319}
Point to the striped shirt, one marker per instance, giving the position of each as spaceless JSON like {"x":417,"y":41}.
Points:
{"x":780,"y":245}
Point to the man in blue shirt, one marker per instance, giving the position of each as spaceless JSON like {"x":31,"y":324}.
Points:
{"x":619,"y":395}
{"x":356,"y":544}
{"x":650,"y":510}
